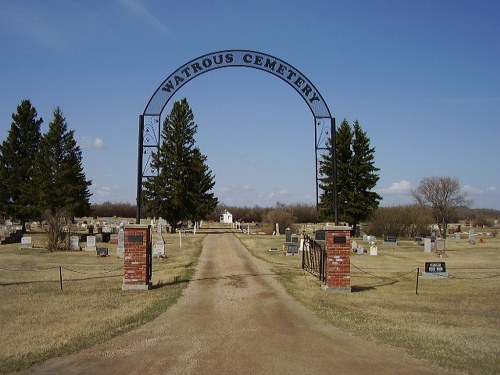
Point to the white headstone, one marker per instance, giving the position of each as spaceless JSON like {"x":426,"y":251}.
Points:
{"x":120,"y":247}
{"x":427,"y":245}
{"x":90,"y":244}
{"x":74,"y":243}
{"x":277,"y":229}
{"x":373,"y":250}
{"x":365,"y":238}
{"x":472,"y":236}
{"x":26,"y":243}
{"x":457,"y":237}
{"x":354,"y":245}
{"x":360,"y":250}
{"x":159,"y":248}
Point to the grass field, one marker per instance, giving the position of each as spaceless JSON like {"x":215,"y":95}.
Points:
{"x":453,"y":322}
{"x":38,"y":320}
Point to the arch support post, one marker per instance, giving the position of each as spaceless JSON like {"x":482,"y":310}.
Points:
{"x":140,"y":151}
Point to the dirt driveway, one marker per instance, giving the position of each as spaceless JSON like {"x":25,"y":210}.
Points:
{"x":234,"y":318}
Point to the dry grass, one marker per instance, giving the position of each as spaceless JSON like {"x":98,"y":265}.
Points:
{"x":40,"y":321}
{"x":453,"y":322}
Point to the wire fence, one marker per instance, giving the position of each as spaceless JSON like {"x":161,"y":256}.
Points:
{"x":444,"y":275}
{"x":16,"y":276}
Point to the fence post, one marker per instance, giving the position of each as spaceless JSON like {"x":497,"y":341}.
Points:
{"x":60,"y":277}
{"x":416,"y":287}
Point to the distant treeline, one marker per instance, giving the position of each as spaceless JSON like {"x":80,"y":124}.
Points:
{"x":307,"y":213}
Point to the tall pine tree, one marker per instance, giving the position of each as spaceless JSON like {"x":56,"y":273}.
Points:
{"x":181,"y":188}
{"x":201,"y":200}
{"x":356,"y":177}
{"x":17,"y":152}
{"x":59,"y":171}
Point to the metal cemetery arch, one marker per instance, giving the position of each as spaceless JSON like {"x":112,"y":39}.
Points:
{"x":150,"y":120}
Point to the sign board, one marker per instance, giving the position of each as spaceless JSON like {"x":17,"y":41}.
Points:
{"x":435,"y":269}
{"x":320,"y":235}
{"x":339,"y":239}
{"x":135,"y":238}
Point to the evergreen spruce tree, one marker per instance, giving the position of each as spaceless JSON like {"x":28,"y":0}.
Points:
{"x":59,"y":172}
{"x":344,"y":138}
{"x":202,"y":201}
{"x":18,"y":198}
{"x":181,"y":188}
{"x":356,"y":177}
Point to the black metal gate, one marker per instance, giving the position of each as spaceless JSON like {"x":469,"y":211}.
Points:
{"x":314,"y":257}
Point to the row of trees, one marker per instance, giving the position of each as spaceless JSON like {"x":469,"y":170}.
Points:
{"x":41,"y":175}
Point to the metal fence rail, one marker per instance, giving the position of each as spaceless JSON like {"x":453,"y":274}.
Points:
{"x":314,"y":258}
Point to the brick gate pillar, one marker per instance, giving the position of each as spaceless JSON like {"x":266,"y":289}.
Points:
{"x":137,"y":260}
{"x":338,"y":263}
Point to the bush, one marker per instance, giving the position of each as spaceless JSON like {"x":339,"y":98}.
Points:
{"x":280,"y":216}
{"x":400,"y":221}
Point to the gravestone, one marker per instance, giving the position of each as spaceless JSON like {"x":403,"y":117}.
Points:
{"x":26,"y":243}
{"x":354,"y":245}
{"x":90,"y":243}
{"x":373,"y":250}
{"x":74,"y":243}
{"x":120,"y":248}
{"x":113,"y":238}
{"x":102,"y":252}
{"x":472,"y":236}
{"x":277,"y":229}
{"x":435,"y":270}
{"x":365,"y":238}
{"x":360,"y":250}
{"x":390,"y":240}
{"x":288,"y":235}
{"x":440,"y":247}
{"x":290,"y":249}
{"x":159,"y":248}
{"x":457,"y":237}
{"x":159,"y":244}
{"x":427,"y":245}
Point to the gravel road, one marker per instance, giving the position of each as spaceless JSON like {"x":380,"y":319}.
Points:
{"x":235,"y":318}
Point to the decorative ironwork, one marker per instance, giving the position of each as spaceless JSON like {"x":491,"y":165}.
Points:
{"x":149,"y":121}
{"x":314,"y":258}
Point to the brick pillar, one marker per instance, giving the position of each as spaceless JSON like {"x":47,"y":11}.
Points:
{"x":137,"y":258}
{"x":338,"y":267}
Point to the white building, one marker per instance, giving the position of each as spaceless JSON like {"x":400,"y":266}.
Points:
{"x":226,"y":217}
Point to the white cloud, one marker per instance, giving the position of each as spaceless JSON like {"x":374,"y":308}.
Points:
{"x":402,"y":186}
{"x":87,"y":142}
{"x":138,"y":8}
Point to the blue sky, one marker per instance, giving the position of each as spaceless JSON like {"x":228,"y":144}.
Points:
{"x":422,"y":77}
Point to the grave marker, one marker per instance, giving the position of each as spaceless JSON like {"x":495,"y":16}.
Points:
{"x":427,"y":245}
{"x":440,"y":247}
{"x":26,"y":243}
{"x":120,"y":248}
{"x":472,"y":236}
{"x":74,"y":243}
{"x":91,"y":243}
{"x":435,"y":269}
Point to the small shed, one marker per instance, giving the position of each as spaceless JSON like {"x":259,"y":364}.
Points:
{"x":226,"y":217}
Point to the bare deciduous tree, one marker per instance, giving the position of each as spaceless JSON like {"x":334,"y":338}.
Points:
{"x":443,"y":195}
